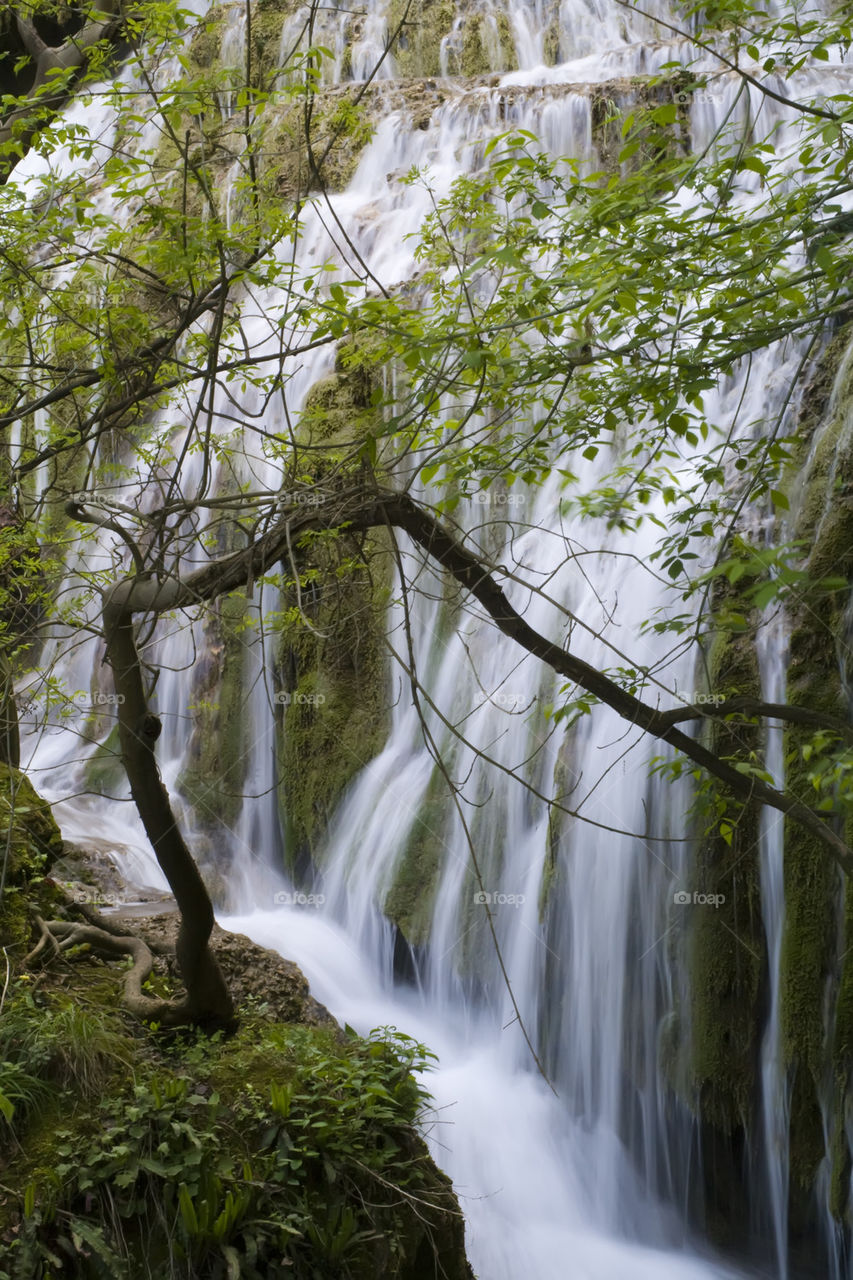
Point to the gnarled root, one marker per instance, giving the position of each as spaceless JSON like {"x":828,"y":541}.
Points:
{"x":60,"y":935}
{"x":46,"y":949}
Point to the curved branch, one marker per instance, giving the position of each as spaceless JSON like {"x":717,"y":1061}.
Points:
{"x":360,"y":509}
{"x":470,"y":573}
{"x":70,"y":56}
{"x":743,"y":705}
{"x":77,"y":511}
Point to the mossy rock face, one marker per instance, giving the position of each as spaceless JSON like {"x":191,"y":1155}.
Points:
{"x":484,"y":43}
{"x":816,"y":964}
{"x":340,"y":131}
{"x":215,"y":760}
{"x":726,"y":943}
{"x":417,"y":51}
{"x":410,"y":899}
{"x":333,"y":700}
{"x":32,"y":842}
{"x":439,"y":36}
{"x":332,"y":694}
{"x":104,"y":771}
{"x":206,"y":42}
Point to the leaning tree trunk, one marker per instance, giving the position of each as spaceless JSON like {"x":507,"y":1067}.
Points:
{"x":51,"y":67}
{"x":10,"y":738}
{"x":208,"y":1001}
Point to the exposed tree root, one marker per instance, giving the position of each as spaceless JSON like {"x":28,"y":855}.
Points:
{"x":61,"y":935}
{"x":47,"y":948}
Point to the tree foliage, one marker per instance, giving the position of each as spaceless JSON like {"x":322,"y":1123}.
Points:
{"x":159,"y":306}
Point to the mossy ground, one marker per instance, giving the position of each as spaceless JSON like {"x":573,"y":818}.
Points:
{"x":285,"y":1150}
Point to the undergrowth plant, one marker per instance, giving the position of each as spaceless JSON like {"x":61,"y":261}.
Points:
{"x":283,"y":1152}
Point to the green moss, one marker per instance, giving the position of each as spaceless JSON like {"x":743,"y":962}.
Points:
{"x":726,"y":945}
{"x":340,"y":131}
{"x":411,"y":898}
{"x":206,"y":42}
{"x":215,"y":761}
{"x":333,"y":723}
{"x":816,"y":970}
{"x":333,"y":690}
{"x":565,"y":779}
{"x":417,"y":51}
{"x":104,"y":771}
{"x":486,"y":45}
{"x":29,"y":837}
{"x":551,"y":44}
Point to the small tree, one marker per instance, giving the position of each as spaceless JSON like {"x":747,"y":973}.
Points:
{"x":560,"y":319}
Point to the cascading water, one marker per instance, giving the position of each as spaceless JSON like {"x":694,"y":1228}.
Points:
{"x":587,"y":1182}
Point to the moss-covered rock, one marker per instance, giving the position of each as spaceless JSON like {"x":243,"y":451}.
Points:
{"x":333,"y":698}
{"x":726,"y":944}
{"x":31,"y":843}
{"x":104,"y":772}
{"x":339,"y":131}
{"x":410,"y":900}
{"x":417,"y":51}
{"x":29,"y":836}
{"x":816,"y":973}
{"x":215,"y":760}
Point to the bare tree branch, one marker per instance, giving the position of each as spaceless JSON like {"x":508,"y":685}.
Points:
{"x":360,"y":509}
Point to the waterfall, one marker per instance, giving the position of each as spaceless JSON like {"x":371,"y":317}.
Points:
{"x":551,"y":922}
